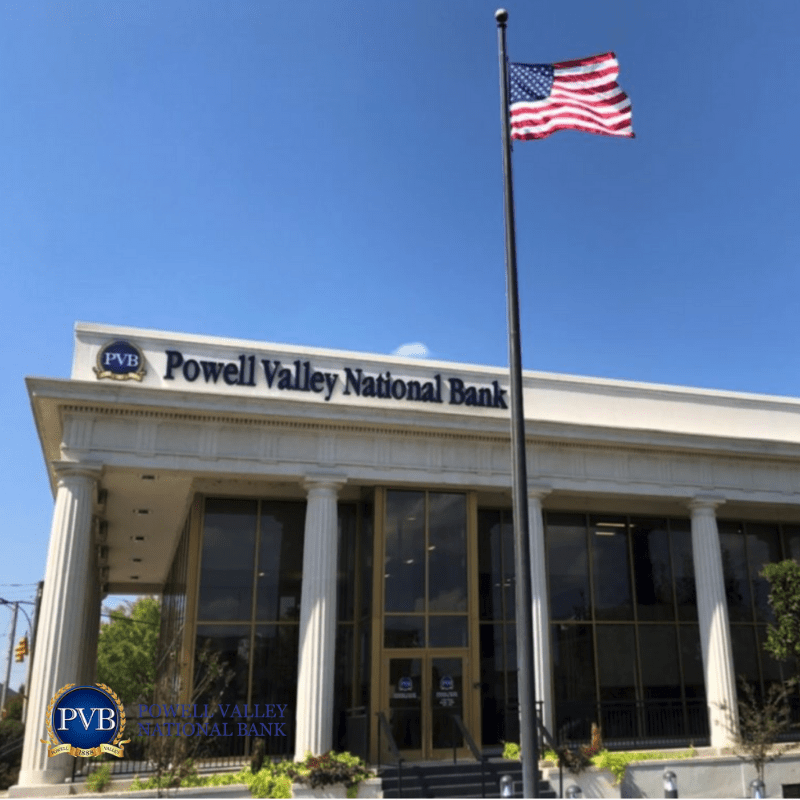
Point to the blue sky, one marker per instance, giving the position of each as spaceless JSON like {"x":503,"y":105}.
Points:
{"x":329,"y":174}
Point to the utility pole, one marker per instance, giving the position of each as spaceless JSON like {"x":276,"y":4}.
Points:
{"x":35,"y":628}
{"x":11,"y":635}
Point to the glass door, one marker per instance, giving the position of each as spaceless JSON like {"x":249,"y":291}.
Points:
{"x":423,"y":695}
{"x":446,"y":693}
{"x":424,"y":652}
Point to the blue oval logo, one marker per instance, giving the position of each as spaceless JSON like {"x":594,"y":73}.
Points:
{"x":120,"y":361}
{"x":85,"y":721}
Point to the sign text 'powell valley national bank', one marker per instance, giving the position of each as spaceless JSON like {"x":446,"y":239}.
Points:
{"x":300,"y":376}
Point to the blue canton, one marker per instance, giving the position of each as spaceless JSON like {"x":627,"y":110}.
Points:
{"x":529,"y":82}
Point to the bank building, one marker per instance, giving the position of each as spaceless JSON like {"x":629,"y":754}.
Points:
{"x":337,"y":527}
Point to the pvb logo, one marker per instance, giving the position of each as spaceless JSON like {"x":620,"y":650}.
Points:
{"x":120,"y":361}
{"x":85,"y":721}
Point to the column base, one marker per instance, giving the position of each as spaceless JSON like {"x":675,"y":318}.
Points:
{"x":41,"y":783}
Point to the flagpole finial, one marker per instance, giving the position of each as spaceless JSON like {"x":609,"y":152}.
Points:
{"x":501,"y":15}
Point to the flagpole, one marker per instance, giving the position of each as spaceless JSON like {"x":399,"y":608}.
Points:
{"x":529,"y":742}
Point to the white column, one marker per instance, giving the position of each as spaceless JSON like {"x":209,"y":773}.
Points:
{"x":59,"y":646}
{"x":315,"y":669}
{"x":712,"y":611}
{"x":541,"y":611}
{"x":92,"y":625}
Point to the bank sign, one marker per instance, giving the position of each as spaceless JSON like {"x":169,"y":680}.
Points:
{"x":120,"y":360}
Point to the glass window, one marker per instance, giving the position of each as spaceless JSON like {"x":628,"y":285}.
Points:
{"x":573,"y":662}
{"x":763,"y":547}
{"x":772,"y":670}
{"x":680,"y":539}
{"x":404,"y":573}
{"x":652,"y":570}
{"x":280,"y":561}
{"x":661,"y":677}
{"x":574,"y":681}
{"x":447,"y":631}
{"x":226,"y":577}
{"x":568,"y":565}
{"x":229,"y":645}
{"x":745,"y":654}
{"x":610,"y":568}
{"x":735,"y":571}
{"x":692,"y":661}
{"x":490,"y":565}
{"x":791,"y":538}
{"x":404,"y":631}
{"x":447,"y":552}
{"x":616,"y":656}
{"x":348,"y":552}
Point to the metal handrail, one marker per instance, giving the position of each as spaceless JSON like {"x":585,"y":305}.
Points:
{"x":547,"y":738}
{"x":478,"y":755}
{"x":383,"y":724}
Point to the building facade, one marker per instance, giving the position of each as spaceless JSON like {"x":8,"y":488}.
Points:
{"x":336,"y":527}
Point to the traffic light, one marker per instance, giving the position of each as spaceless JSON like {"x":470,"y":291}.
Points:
{"x":22,"y":649}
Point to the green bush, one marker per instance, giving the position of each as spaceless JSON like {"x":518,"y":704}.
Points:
{"x":265,"y":784}
{"x":325,"y":770}
{"x":99,"y":779}
{"x":11,"y":731}
{"x":617,"y":763}
{"x":511,"y":751}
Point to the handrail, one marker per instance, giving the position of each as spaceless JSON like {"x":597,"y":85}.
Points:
{"x":383,"y":724}
{"x":548,"y":740}
{"x":479,"y":757}
{"x":546,"y":735}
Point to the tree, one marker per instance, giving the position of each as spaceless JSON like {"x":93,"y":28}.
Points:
{"x":783,"y":638}
{"x":762,"y":722}
{"x":126,"y":651}
{"x":173,"y":757}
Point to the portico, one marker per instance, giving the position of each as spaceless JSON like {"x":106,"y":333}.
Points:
{"x":215,"y":475}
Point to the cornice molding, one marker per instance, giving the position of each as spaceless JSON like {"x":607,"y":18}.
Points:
{"x":431,"y":433}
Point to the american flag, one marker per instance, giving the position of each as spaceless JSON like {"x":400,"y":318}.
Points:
{"x":580,"y":95}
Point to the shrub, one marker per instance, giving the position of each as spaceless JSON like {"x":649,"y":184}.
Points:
{"x":266,"y":784}
{"x":11,"y":733}
{"x":325,"y":770}
{"x":618,"y":762}
{"x":511,"y":751}
{"x":99,"y":779}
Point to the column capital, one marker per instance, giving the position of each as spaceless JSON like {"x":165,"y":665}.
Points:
{"x":705,"y":503}
{"x":76,"y":469}
{"x":538,"y":491}
{"x":332,"y":481}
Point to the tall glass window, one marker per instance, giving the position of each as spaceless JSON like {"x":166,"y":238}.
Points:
{"x":498,"y":651}
{"x":425,"y":570}
{"x":746,"y":548}
{"x":622,"y":605}
{"x":251,"y":573}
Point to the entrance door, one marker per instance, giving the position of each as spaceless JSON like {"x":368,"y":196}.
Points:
{"x":423,"y":693}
